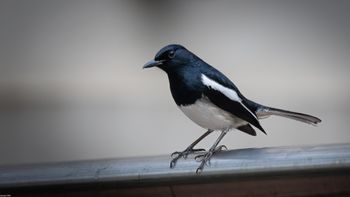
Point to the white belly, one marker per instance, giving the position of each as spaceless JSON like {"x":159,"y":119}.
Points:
{"x":209,"y":116}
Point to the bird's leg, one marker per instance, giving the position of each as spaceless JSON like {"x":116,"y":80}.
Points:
{"x":207,"y":156}
{"x":177,"y":155}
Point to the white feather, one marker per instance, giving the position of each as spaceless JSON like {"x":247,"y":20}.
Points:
{"x":230,"y":93}
{"x":209,"y":116}
{"x":216,"y":86}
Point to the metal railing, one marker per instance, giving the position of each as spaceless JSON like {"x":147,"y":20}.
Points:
{"x":279,"y":164}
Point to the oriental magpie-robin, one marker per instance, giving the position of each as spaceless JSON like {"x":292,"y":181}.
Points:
{"x":211,"y":100}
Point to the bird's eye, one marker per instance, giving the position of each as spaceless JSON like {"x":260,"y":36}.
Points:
{"x":171,"y":54}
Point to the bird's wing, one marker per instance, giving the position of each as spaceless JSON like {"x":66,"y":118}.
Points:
{"x":229,"y":100}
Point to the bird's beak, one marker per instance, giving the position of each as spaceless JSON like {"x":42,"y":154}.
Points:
{"x":153,"y":63}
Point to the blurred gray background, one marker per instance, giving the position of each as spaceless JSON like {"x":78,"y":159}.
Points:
{"x":72,"y":87}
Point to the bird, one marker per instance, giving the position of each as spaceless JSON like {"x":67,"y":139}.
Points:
{"x":212,"y":101}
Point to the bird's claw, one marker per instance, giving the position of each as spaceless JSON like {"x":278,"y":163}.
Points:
{"x":220,"y":148}
{"x":200,"y":157}
{"x":204,"y":161}
{"x":186,"y":152}
{"x":173,"y":163}
{"x":177,"y":155}
{"x":205,"y":158}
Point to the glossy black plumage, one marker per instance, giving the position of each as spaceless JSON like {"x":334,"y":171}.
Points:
{"x":211,"y":100}
{"x":184,"y":73}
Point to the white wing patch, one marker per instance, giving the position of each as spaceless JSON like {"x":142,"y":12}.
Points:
{"x":216,"y":86}
{"x":231,"y":94}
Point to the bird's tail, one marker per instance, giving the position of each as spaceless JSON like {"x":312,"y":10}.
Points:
{"x":264,"y":112}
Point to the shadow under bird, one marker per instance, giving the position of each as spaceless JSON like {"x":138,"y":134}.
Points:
{"x":211,"y":100}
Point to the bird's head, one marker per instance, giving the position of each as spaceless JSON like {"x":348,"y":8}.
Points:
{"x":171,"y":57}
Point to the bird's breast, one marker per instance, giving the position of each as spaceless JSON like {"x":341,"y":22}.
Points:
{"x":209,"y":116}
{"x":185,"y":89}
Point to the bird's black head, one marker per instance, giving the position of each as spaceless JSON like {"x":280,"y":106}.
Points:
{"x":172,"y":57}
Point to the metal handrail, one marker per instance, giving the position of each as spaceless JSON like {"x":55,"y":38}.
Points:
{"x":155,"y":169}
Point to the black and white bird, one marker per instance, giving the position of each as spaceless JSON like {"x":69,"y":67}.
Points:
{"x":211,"y":100}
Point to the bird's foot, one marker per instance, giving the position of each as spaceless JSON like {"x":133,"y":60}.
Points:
{"x":177,"y":155}
{"x":205,"y":158}
{"x":200,"y":157}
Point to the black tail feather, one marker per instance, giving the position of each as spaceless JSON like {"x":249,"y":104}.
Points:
{"x":264,"y":111}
